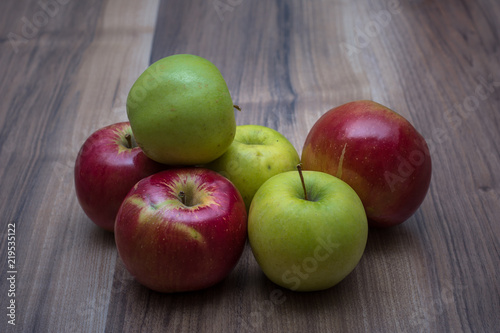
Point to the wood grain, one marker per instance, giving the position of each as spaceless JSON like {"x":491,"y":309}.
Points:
{"x":286,"y":63}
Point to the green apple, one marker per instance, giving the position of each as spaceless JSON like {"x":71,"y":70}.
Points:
{"x":307,"y":237}
{"x":181,"y":111}
{"x":256,"y":154}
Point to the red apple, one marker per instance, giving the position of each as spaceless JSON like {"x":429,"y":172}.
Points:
{"x":108,"y":165}
{"x":181,"y":229}
{"x":378,"y":153}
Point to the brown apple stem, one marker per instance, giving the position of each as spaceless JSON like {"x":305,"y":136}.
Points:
{"x":237,"y":107}
{"x":128,"y":137}
{"x":299,"y":168}
{"x":182,"y":196}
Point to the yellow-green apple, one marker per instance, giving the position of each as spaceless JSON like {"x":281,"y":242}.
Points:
{"x":256,"y":154}
{"x":107,"y":166}
{"x":181,"y":229}
{"x":378,"y":153}
{"x":181,"y":111}
{"x":307,"y":237}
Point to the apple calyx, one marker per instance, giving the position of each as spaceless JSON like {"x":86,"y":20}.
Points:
{"x":299,"y":168}
{"x":236,"y":107}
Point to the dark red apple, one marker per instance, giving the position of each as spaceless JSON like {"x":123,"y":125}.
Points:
{"x":378,"y":153}
{"x":108,"y":165}
{"x":181,"y":229}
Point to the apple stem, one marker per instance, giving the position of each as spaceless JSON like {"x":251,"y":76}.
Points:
{"x":128,"y":137}
{"x":237,"y":107}
{"x":299,"y":168}
{"x":182,"y":196}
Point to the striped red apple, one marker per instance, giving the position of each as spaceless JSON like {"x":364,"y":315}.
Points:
{"x":107,"y":166}
{"x":378,"y":153}
{"x":181,"y":229}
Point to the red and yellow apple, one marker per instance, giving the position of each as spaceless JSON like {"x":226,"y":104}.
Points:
{"x":181,"y":229}
{"x":378,"y":153}
{"x":107,"y":166}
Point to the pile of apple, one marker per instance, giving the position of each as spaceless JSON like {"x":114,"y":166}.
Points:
{"x":182,"y":187}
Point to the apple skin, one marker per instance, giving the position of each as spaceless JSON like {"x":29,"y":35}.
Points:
{"x":307,"y":245}
{"x":171,"y":247}
{"x":106,"y":168}
{"x":378,"y":153}
{"x":181,"y":111}
{"x":256,"y":154}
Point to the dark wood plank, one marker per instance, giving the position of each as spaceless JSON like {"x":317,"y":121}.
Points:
{"x":286,"y":63}
{"x":35,"y":86}
{"x":60,"y":84}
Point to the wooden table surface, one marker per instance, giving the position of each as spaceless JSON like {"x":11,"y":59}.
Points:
{"x":67,"y":67}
